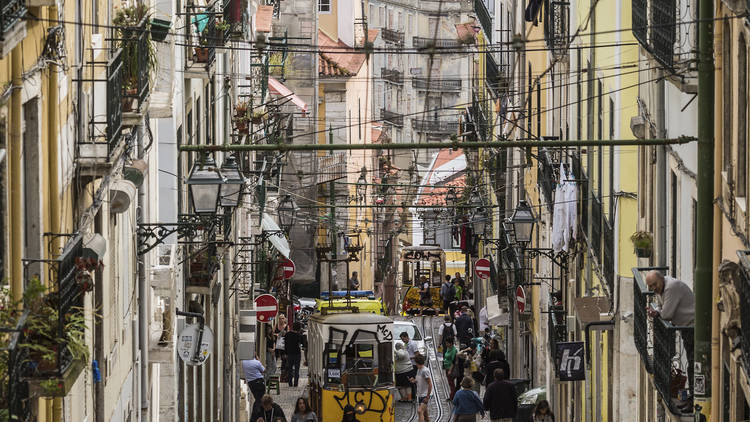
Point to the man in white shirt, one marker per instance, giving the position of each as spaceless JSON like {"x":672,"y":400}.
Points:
{"x":252,"y":371}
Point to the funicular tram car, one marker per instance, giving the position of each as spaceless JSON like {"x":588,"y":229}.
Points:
{"x":350,"y":362}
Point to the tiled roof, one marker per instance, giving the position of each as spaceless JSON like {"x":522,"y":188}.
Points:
{"x":263,"y":17}
{"x":435,"y":194}
{"x":337,"y":58}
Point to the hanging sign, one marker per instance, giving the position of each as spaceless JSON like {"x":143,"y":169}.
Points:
{"x":521,"y":299}
{"x":482,"y":268}
{"x":287,"y":266}
{"x":569,"y":361}
{"x":186,"y":344}
{"x":266,"y":307}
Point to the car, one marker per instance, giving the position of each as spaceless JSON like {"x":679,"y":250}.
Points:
{"x":414,"y":335}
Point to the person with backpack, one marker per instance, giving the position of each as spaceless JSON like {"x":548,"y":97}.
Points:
{"x":464,"y":327}
{"x":446,"y":332}
{"x":447,"y":294}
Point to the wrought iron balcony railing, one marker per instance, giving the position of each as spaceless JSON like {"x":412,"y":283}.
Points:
{"x":115,"y":75}
{"x":438,"y":127}
{"x":608,"y":263}
{"x":425,"y":42}
{"x":556,"y":26}
{"x":392,"y":35}
{"x":642,"y":324}
{"x":392,"y":75}
{"x":11,"y":12}
{"x":744,"y":306}
{"x":484,"y":18}
{"x":672,"y":364}
{"x":557,"y":330}
{"x":436,"y":84}
{"x":14,"y":390}
{"x":391,"y":117}
{"x":137,"y":63}
{"x":656,"y":29}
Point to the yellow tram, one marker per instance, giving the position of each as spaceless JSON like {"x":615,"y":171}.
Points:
{"x":350,"y":360}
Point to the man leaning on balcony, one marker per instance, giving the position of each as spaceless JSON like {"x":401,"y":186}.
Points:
{"x":677,"y":306}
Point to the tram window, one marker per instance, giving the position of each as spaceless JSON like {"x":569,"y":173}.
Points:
{"x":385,"y":363}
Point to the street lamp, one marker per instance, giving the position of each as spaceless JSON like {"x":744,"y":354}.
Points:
{"x":231,"y":190}
{"x":205,"y":185}
{"x":287,"y":211}
{"x":523,"y":221}
{"x":361,"y":187}
{"x":479,"y":221}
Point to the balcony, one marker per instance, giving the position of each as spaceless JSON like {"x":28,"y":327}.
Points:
{"x":202,"y":39}
{"x":436,"y":84}
{"x":103,"y":146}
{"x":396,"y":119}
{"x":437,"y":127}
{"x":56,"y":326}
{"x":392,"y":76}
{"x":426,"y":42}
{"x":392,"y":35}
{"x":556,"y":26}
{"x":557,"y":331}
{"x":138,"y":63}
{"x":656,"y":29}
{"x":484,"y":18}
{"x":12,"y":24}
{"x":663,"y":350}
{"x":14,"y":391}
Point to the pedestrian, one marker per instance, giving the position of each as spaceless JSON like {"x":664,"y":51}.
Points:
{"x":270,"y":353}
{"x":425,"y":296}
{"x":268,"y":411}
{"x":280,"y":350}
{"x":484,"y":321}
{"x":413,"y":350}
{"x":349,"y":414}
{"x":424,"y":388}
{"x":447,"y":294}
{"x":403,"y":368}
{"x":500,"y":398}
{"x":302,"y":412}
{"x":449,"y":361}
{"x":252,"y":371}
{"x":354,"y":281}
{"x":466,"y":403}
{"x":542,"y":412}
{"x":446,"y":332}
{"x":459,"y":289}
{"x":294,"y":341}
{"x":464,"y":327}
{"x":496,"y":361}
{"x":677,"y":305}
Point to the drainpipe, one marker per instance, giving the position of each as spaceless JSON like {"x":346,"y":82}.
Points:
{"x":52,"y":146}
{"x":14,"y":158}
{"x":661,"y":178}
{"x":143,"y":294}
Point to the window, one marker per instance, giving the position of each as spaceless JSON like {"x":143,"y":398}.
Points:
{"x":381,"y":16}
{"x":432,"y":26}
{"x":324,"y":6}
{"x":391,"y":23}
{"x":742,"y":118}
{"x":373,"y":16}
{"x":400,"y":21}
{"x":410,"y":26}
{"x":727,"y":88}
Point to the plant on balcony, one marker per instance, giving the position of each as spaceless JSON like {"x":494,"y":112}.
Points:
{"x":222,"y":25}
{"x":241,"y":117}
{"x":643,"y":243}
{"x":128,"y":21}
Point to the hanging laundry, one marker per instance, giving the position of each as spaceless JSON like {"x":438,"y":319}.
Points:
{"x":559,"y":217}
{"x":532,"y":11}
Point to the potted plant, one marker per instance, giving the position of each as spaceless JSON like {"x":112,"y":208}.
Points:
{"x":257,"y":117}
{"x":240,"y":117}
{"x":643,"y":243}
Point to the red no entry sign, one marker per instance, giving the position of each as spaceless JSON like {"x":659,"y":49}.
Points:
{"x":521,"y":299}
{"x":482,"y":268}
{"x":287,"y":266}
{"x":266,"y":307}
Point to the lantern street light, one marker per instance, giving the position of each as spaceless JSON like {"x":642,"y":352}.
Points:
{"x":479,"y":221}
{"x":231,"y":190}
{"x":451,"y":199}
{"x":287,"y":211}
{"x":523,"y":222}
{"x":361,"y":187}
{"x":205,"y":183}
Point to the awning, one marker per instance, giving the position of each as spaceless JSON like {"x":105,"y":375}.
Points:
{"x":277,"y":239}
{"x":495,"y":315}
{"x":277,"y":88}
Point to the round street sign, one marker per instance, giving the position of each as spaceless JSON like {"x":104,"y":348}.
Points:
{"x":482,"y":268}
{"x":287,"y":267}
{"x":521,"y":299}
{"x":266,"y":307}
{"x":186,"y":344}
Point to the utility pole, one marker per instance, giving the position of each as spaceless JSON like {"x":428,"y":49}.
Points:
{"x":704,"y":232}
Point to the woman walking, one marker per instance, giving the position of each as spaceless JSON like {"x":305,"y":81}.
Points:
{"x":466,"y":403}
{"x":302,"y":412}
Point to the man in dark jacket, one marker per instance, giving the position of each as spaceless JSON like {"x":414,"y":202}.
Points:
{"x":267,"y":411}
{"x":294,"y":341}
{"x":496,"y":360}
{"x":464,"y":328}
{"x":500,"y":398}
